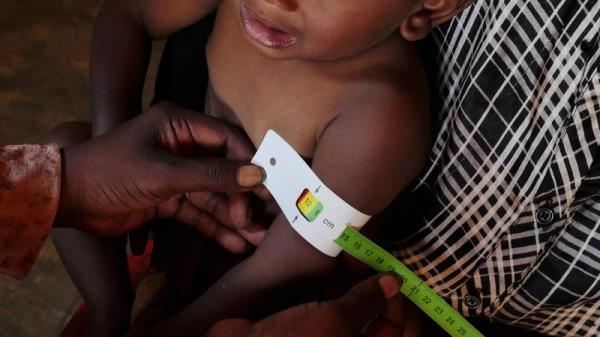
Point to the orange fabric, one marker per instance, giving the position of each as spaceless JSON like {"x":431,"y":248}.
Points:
{"x":30,"y":178}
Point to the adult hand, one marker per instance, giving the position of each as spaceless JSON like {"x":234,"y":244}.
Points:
{"x":234,"y":220}
{"x":126,"y":177}
{"x":372,"y":309}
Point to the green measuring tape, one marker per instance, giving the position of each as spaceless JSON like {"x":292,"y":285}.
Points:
{"x":369,"y":253}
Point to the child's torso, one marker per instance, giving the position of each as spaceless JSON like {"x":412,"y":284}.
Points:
{"x":298,"y":99}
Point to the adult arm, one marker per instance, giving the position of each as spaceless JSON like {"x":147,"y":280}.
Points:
{"x":109,"y":188}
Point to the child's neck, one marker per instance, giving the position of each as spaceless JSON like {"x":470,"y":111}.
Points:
{"x":384,"y":54}
{"x":230,"y":37}
{"x":296,"y":97}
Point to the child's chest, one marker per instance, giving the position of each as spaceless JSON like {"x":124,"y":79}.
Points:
{"x":258,"y":93}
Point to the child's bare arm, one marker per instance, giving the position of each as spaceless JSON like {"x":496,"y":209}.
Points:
{"x":367,"y":157}
{"x":121,"y":50}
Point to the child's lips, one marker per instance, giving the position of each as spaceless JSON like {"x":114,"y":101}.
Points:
{"x":265,"y":33}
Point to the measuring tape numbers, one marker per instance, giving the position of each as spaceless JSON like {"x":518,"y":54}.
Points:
{"x":331,"y":225}
{"x":369,"y":253}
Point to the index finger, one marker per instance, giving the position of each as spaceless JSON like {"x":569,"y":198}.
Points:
{"x":214,"y":133}
{"x":187,"y":126}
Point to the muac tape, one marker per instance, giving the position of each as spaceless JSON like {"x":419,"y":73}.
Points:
{"x":313,"y":210}
{"x":330,"y":225}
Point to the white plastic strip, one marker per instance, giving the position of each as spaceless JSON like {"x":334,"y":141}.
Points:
{"x":312,"y":209}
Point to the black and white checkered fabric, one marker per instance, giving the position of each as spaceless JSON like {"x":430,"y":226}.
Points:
{"x":509,"y":226}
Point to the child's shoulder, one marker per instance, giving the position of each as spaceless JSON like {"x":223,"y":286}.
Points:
{"x":393,"y":95}
{"x":380,"y":138}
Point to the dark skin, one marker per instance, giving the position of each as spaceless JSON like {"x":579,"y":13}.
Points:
{"x":385,"y":147}
{"x":157,"y":197}
{"x":360,"y":311}
{"x":105,"y":197}
{"x":359,"y":114}
{"x":365,"y":127}
{"x":109,"y":189}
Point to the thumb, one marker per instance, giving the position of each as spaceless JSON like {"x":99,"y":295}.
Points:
{"x":367,"y":300}
{"x":212,"y":174}
{"x":344,"y":317}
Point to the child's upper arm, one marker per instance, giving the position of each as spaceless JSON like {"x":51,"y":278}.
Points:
{"x":162,"y":18}
{"x":368,"y":155}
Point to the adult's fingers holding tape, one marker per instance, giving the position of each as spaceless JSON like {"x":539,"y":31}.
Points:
{"x":366,"y":302}
{"x":255,"y":235}
{"x":240,"y":211}
{"x":169,"y":208}
{"x":215,"y":204}
{"x":211,"y":228}
{"x":263,"y":193}
{"x":345,"y":317}
{"x":393,"y":322}
{"x":401,"y":319}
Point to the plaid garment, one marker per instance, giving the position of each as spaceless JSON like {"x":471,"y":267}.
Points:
{"x":509,"y":220}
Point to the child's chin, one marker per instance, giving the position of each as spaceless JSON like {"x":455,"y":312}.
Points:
{"x":287,"y":53}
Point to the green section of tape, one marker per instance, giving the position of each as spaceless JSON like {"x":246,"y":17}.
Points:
{"x":314,"y":212}
{"x":355,"y":244}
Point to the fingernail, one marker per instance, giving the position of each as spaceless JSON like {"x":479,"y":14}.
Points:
{"x":389,"y":286}
{"x":249,"y":176}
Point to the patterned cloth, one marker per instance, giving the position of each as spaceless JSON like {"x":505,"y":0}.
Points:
{"x":29,"y":193}
{"x":509,"y":220}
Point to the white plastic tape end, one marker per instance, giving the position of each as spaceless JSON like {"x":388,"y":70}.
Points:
{"x":312,"y":209}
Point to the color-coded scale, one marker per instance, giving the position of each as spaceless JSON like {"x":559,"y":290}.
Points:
{"x":308,"y":205}
{"x":366,"y":251}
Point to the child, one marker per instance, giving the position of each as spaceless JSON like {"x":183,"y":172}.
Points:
{"x":338,"y":79}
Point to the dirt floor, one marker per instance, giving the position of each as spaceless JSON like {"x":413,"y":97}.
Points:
{"x":44,"y":52}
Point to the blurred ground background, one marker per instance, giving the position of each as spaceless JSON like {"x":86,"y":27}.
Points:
{"x":44,"y":53}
